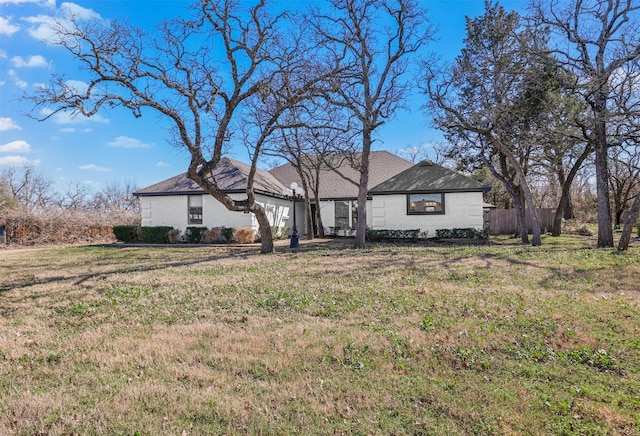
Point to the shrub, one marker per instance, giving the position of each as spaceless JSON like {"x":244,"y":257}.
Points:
{"x":393,"y":235}
{"x":195,"y":235}
{"x":462,"y":233}
{"x":279,"y":233}
{"x":228,"y":232}
{"x":174,"y":236}
{"x":126,"y":233}
{"x":584,"y":230}
{"x":245,"y":236}
{"x":155,"y":234}
{"x":213,"y":236}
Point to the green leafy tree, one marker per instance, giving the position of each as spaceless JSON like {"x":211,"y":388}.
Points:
{"x":488,"y":101}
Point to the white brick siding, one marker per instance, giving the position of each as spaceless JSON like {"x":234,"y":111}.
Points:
{"x":462,"y":209}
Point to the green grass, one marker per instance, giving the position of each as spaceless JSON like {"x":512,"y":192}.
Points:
{"x":500,"y":339}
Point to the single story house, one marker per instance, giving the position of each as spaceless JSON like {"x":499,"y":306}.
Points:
{"x":402,"y":196}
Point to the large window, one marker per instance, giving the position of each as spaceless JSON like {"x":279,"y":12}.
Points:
{"x":420,"y":204}
{"x":195,"y":209}
{"x":346,"y":214}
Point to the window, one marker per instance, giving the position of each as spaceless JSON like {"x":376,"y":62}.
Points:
{"x":421,"y":204}
{"x":346,"y":214}
{"x":195,"y":209}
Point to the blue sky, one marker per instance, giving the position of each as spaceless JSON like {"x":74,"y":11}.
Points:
{"x":115,"y":146}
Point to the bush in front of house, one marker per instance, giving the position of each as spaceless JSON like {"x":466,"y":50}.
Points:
{"x":213,"y":236}
{"x":392,"y":235}
{"x":175,"y":236}
{"x":155,"y":234}
{"x":244,"y":236}
{"x":228,"y":233}
{"x":462,"y":233}
{"x":195,"y":235}
{"x":126,"y":233}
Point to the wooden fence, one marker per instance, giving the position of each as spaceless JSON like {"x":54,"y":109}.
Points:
{"x":505,"y":221}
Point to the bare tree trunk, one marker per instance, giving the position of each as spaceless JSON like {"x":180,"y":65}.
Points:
{"x":319,"y":225}
{"x":307,"y":208}
{"x":361,"y":225}
{"x":266,"y":239}
{"x":560,"y":212}
{"x":519,"y":205}
{"x":605,"y":231}
{"x":623,"y":244}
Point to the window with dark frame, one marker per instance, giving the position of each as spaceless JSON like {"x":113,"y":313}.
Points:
{"x":195,"y":209}
{"x":425,"y":204}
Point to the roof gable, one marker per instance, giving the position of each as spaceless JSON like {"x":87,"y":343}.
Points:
{"x":428,"y":177}
{"x":231,"y":176}
{"x":341,"y":180}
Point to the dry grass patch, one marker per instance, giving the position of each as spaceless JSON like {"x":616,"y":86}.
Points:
{"x":326,"y":339}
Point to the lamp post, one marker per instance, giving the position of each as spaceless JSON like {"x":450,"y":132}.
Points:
{"x":293,"y":192}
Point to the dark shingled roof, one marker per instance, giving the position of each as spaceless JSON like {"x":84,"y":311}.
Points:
{"x":427,"y":177}
{"x":230,"y":174}
{"x":333,"y":183}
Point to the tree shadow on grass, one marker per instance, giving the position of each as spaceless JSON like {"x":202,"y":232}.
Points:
{"x":28,"y":277}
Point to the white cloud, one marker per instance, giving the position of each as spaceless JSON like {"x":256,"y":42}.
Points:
{"x":128,"y":142}
{"x":73,"y":118}
{"x":44,"y":26}
{"x":17,"y":161}
{"x":6,"y":28}
{"x":17,"y":80}
{"x":73,"y":10}
{"x":74,"y":130}
{"x":48,"y":3}
{"x":7,"y":123}
{"x":15,"y":146}
{"x":35,"y":61}
{"x":92,"y":167}
{"x":162,"y":164}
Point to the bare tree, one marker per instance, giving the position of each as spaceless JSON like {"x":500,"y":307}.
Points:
{"x":595,"y":41}
{"x":116,"y":196}
{"x":7,"y":199}
{"x":634,"y":211}
{"x":29,"y":188}
{"x":76,"y":196}
{"x":377,"y":39}
{"x":624,"y":178}
{"x":206,"y":76}
{"x":436,"y":152}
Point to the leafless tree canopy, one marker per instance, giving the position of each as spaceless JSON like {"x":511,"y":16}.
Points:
{"x":598,"y":42}
{"x":211,"y":75}
{"x":376,"y":40}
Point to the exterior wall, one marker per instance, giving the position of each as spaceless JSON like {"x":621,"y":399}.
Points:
{"x":328,"y":214}
{"x":462,"y":210}
{"x":172,"y":210}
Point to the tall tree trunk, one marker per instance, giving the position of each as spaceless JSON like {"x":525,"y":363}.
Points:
{"x":319,"y":224}
{"x":605,"y":230}
{"x":266,"y":239}
{"x":623,"y":244}
{"x":564,"y":206}
{"x":557,"y":219}
{"x":309,"y":215}
{"x":526,"y":192}
{"x":519,"y":205}
{"x":361,"y":225}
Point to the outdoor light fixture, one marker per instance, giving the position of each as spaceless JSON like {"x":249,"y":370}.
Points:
{"x":294,"y":192}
